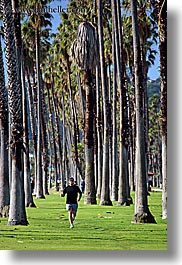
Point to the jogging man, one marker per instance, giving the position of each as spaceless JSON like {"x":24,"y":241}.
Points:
{"x":72,"y":199}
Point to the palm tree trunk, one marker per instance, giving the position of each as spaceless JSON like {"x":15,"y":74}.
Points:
{"x":27,"y":182}
{"x":32,"y":121}
{"x":55,"y":133}
{"x":162,"y":25}
{"x":105,"y":192}
{"x":17,"y":214}
{"x":74,"y":122}
{"x":39,"y":182}
{"x":64,"y":146}
{"x":131,"y":144}
{"x":98,"y":130}
{"x":99,"y":134}
{"x":44,"y":144}
{"x":142,"y":213}
{"x":114,"y":124}
{"x":90,"y":193}
{"x":123,"y":162}
{"x":53,"y":136}
{"x":4,"y":173}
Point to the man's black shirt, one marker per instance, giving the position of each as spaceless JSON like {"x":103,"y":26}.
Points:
{"x":72,"y":194}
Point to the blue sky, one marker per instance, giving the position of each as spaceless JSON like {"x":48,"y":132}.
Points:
{"x":56,"y":6}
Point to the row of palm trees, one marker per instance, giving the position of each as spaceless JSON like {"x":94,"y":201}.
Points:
{"x":78,"y":101}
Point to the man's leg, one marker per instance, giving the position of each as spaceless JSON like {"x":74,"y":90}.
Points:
{"x":73,"y":215}
{"x":74,"y":211}
{"x":70,"y":209}
{"x":71,"y":218}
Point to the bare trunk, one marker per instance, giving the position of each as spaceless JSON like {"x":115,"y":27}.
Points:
{"x":17,"y":211}
{"x":4,"y":172}
{"x":90,"y":194}
{"x":39,"y":182}
{"x":114,"y":124}
{"x":142,"y":213}
{"x":99,"y":134}
{"x":105,"y":192}
{"x":17,"y":214}
{"x":162,"y":24}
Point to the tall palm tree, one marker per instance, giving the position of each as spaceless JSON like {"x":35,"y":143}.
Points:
{"x":105,"y":193}
{"x":4,"y":174}
{"x":19,"y":47}
{"x":37,"y":21}
{"x":148,"y":36}
{"x":27,"y":181}
{"x":114,"y":123}
{"x":162,"y":25}
{"x":123,"y":193}
{"x":44,"y":143}
{"x":142,"y":212}
{"x":28,"y":43}
{"x":98,"y":131}
{"x":17,"y":214}
{"x":84,"y":52}
{"x":39,"y":183}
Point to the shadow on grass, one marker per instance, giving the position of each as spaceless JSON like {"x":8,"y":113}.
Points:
{"x":84,"y":256}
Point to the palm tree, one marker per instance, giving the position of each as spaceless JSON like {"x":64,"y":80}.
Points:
{"x":162,"y":25}
{"x":84,"y":52}
{"x":142,"y":212}
{"x":105,"y":193}
{"x":98,"y":122}
{"x":44,"y":150}
{"x":4,"y":174}
{"x":19,"y":47}
{"x":39,"y":183}
{"x":52,"y":114}
{"x":123,"y":193}
{"x":27,"y":181}
{"x":28,"y":43}
{"x":37,"y":21}
{"x":17,"y":214}
{"x":148,"y":35}
{"x":114,"y":124}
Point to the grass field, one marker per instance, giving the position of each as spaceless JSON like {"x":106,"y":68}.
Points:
{"x":96,"y":228}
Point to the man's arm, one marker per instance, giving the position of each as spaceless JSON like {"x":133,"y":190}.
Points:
{"x":80,"y":194}
{"x":63,"y":193}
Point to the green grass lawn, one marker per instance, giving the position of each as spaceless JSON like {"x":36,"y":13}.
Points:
{"x":96,"y":228}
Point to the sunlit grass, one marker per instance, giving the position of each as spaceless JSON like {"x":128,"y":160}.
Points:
{"x":96,"y":228}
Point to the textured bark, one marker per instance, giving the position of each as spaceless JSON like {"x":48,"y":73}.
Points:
{"x":74,"y":119}
{"x":162,"y":24}
{"x":17,"y":214}
{"x":4,"y":173}
{"x":39,"y":177}
{"x":44,"y":144}
{"x":64,"y":146}
{"x":54,"y":132}
{"x":99,"y":134}
{"x":27,"y":182}
{"x":90,"y":193}
{"x":105,"y":192}
{"x":33,"y":121}
{"x":114,"y":124}
{"x":142,"y":213}
{"x":123,"y":136}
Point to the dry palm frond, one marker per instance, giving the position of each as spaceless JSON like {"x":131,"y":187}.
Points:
{"x":84,"y":48}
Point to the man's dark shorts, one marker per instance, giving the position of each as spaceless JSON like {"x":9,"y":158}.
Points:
{"x":72,"y":207}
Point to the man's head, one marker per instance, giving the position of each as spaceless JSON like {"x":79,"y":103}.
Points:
{"x":71,"y":180}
